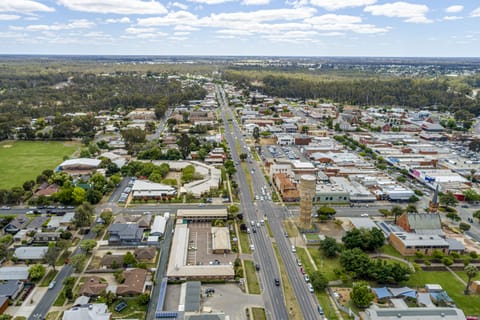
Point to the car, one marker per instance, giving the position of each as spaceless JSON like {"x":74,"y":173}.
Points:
{"x":209,"y":290}
{"x":302,"y":271}
{"x":464,"y":206}
{"x":254,"y":230}
{"x":364,"y":215}
{"x":277,"y":281}
{"x":5,"y":208}
{"x":307,"y":279}
{"x":252,"y":247}
{"x":201,"y":204}
{"x":299,"y":263}
{"x":258,"y":225}
{"x":120,"y":306}
{"x":70,"y":207}
{"x":257,"y":267}
{"x":29,"y":212}
{"x":310,"y":287}
{"x":52,"y":284}
{"x":248,"y":230}
{"x":294,"y":249}
{"x":285,"y":234}
{"x":320,"y":310}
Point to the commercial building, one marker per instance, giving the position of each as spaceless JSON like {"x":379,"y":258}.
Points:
{"x":199,"y":215}
{"x":147,"y":190}
{"x":221,"y":240}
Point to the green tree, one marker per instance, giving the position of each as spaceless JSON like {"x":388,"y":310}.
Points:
{"x":243,"y":156}
{"x":471,"y":271}
{"x":129,"y":259}
{"x":143,"y":299}
{"x":256,"y":133}
{"x":448,"y":199}
{"x":83,"y":215}
{"x":396,"y":212}
{"x":78,"y":195}
{"x":471,"y":195}
{"x":133,"y":136}
{"x":51,"y":255}
{"x":36,"y":272}
{"x":357,"y":262}
{"x":107,"y":216}
{"x":325,"y":212}
{"x":361,"y":295}
{"x":464,"y":226}
{"x":330,"y":247}
{"x":476,"y":215}
{"x":78,"y":261}
{"x":453,"y":216}
{"x":87,"y":245}
{"x":318,"y":280}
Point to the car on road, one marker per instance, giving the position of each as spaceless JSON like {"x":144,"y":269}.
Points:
{"x":307,"y":279}
{"x":294,"y":249}
{"x":299,"y":263}
{"x":310,"y":287}
{"x":52,"y":284}
{"x":120,"y":306}
{"x":277,"y":281}
{"x":29,"y":212}
{"x":5,"y":208}
{"x":364,"y":215}
{"x":209,"y":290}
{"x":320,"y":310}
{"x":252,"y":247}
{"x":257,"y":267}
{"x":285,"y":234}
{"x":201,"y":204}
{"x":464,"y":206}
{"x":254,"y":230}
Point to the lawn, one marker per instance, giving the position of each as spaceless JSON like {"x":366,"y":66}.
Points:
{"x":259,"y":314}
{"x":306,"y":264}
{"x":327,"y":306}
{"x":469,"y":304}
{"x":291,"y":228}
{"x":270,"y":233}
{"x":48,"y":278}
{"x":60,"y":299}
{"x":252,"y":280}
{"x":325,"y":265}
{"x":244,"y":242}
{"x":25,"y":160}
{"x":134,"y":310}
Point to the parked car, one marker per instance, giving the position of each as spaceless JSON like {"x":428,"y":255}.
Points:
{"x":257,"y":267}
{"x":120,"y":306}
{"x":310,"y":287}
{"x":277,"y":281}
{"x":307,"y":279}
{"x":52,"y":284}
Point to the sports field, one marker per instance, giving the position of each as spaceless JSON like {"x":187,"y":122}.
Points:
{"x":24,"y":160}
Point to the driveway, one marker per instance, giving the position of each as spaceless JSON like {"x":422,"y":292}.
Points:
{"x":28,"y":305}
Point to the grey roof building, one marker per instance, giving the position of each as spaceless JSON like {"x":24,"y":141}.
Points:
{"x":30,"y":253}
{"x":10,"y":288}
{"x":192,"y":291}
{"x":14,"y":273}
{"x":125,"y":233}
{"x":413,"y":314}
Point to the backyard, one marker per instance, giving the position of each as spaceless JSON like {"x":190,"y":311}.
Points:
{"x":25,"y":160}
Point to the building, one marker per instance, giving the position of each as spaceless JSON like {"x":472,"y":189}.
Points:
{"x":221,"y":240}
{"x":3,"y":304}
{"x":93,"y":311}
{"x":145,"y":254}
{"x":112,"y":261}
{"x":125,"y":234}
{"x":46,"y":236}
{"x":421,"y":223}
{"x":201,"y":215}
{"x":134,"y":283}
{"x":93,"y":286}
{"x":159,"y":225}
{"x":79,"y":166}
{"x":407,"y":244}
{"x":147,"y":190}
{"x":14,"y":273}
{"x":11,"y":288}
{"x":331,"y":193}
{"x":141,"y":114}
{"x":432,"y":313}
{"x":30,"y":253}
{"x":307,"y":189}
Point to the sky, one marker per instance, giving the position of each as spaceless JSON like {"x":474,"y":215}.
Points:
{"x":412,"y":28}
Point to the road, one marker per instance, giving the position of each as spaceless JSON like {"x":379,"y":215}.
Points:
{"x":264,"y":251}
{"x":48,"y":299}
{"x":264,"y":255}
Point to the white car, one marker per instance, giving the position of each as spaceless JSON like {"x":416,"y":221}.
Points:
{"x":364,"y":215}
{"x":310,"y":287}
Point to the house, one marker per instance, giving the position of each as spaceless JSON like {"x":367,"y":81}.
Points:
{"x":125,"y":234}
{"x":134,"y":283}
{"x":10,"y":288}
{"x":145,"y":254}
{"x":143,"y":221}
{"x":159,"y":225}
{"x":112,"y":260}
{"x":14,"y":273}
{"x":30,"y":253}
{"x":3,"y":304}
{"x":46,"y":189}
{"x":60,"y":221}
{"x":147,"y":190}
{"x":46,"y":236}
{"x":93,"y":311}
{"x":221,"y":240}
{"x":37,"y":223}
{"x":17,"y":224}
{"x":93,"y":286}
{"x":427,"y":313}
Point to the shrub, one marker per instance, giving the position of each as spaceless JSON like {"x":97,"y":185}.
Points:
{"x":447,"y":261}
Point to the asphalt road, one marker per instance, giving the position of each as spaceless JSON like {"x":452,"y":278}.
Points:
{"x":264,"y":255}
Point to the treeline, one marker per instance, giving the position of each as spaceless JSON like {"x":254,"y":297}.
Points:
{"x":440,"y":92}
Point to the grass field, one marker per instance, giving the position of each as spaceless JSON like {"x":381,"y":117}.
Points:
{"x":25,"y":160}
{"x":469,"y":304}
{"x":259,"y":314}
{"x":252,"y":280}
{"x":325,"y":265}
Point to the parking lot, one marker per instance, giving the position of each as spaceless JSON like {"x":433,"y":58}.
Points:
{"x":200,"y":246}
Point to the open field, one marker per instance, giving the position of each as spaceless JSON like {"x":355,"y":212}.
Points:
{"x":25,"y":160}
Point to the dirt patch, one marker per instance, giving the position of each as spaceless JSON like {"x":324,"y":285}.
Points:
{"x":342,"y":295}
{"x":330,"y":229}
{"x":7,"y":146}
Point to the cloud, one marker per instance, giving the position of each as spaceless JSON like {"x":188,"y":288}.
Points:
{"x":73,"y":24}
{"x":9,"y":17}
{"x":235,"y":32}
{"x":476,"y":12}
{"x":210,"y":1}
{"x":115,"y":6}
{"x":140,"y":30}
{"x":172,"y":18}
{"x":185,"y":28}
{"x":178,"y":5}
{"x":119,"y":20}
{"x":413,"y":13}
{"x":452,"y":18}
{"x":181,"y":33}
{"x":255,"y":2}
{"x":340,"y":4}
{"x":334,"y":22}
{"x":178,"y":38}
{"x":23,"y":6}
{"x":454,"y":9}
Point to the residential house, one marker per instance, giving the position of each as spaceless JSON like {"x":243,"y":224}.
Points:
{"x":145,"y":254}
{"x":37,"y":223}
{"x":10,"y":288}
{"x":144,"y":221}
{"x":3,"y":304}
{"x":46,"y":236}
{"x":93,"y":311}
{"x":60,"y":221}
{"x":134,"y":283}
{"x":112,"y":260}
{"x":30,"y":253}
{"x":125,"y":234}
{"x":46,"y":189}
{"x":14,"y":273}
{"x":20,"y":222}
{"x":93,"y":286}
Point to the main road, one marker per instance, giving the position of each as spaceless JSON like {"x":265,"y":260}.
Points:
{"x":264,"y":254}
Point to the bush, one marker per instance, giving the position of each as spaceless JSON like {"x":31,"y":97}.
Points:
{"x":473,"y":255}
{"x":455,"y":255}
{"x":447,"y":261}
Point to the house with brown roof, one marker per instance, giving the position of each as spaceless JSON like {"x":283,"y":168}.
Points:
{"x":288,"y":189}
{"x":112,"y":259}
{"x":143,"y":221}
{"x":46,"y":189}
{"x":145,"y":254}
{"x":134,"y":283}
{"x":93,"y":286}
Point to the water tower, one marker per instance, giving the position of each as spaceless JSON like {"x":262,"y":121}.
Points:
{"x":307,"y":192}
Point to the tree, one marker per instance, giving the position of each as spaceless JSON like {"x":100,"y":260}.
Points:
{"x":28,"y":185}
{"x":453,"y":216}
{"x":243,"y":156}
{"x":325,"y":212}
{"x":51,"y":255}
{"x":464,"y":226}
{"x":229,"y":168}
{"x":476,"y":215}
{"x":471,"y":195}
{"x":396,"y":211}
{"x":83,"y":215}
{"x":256,"y":133}
{"x":36,"y":272}
{"x":93,"y":196}
{"x":78,"y":195}
{"x":356,"y":261}
{"x":78,"y":261}
{"x":330,"y":247}
{"x":129,"y":259}
{"x":411,"y":209}
{"x":87,"y":245}
{"x":318,"y":280}
{"x":143,"y":299}
{"x":361,"y":294}
{"x":133,"y":136}
{"x":471,"y":271}
{"x":448,"y":199}
{"x":107,"y":216}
